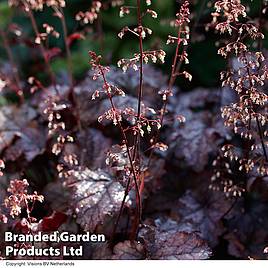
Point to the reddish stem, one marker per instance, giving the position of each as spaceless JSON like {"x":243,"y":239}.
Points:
{"x":43,"y":51}
{"x":174,"y":70}
{"x":140,"y":91}
{"x":70,"y":66}
{"x":136,"y":152}
{"x":106,"y":85}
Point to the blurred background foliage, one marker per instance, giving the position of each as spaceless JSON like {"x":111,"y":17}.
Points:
{"x":205,"y":65}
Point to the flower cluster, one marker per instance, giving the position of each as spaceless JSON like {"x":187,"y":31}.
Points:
{"x":37,"y":5}
{"x":91,"y":15}
{"x":181,"y":56}
{"x":27,"y":4}
{"x":49,"y":30}
{"x":115,"y":114}
{"x":181,"y":40}
{"x":100,"y":71}
{"x":55,"y":3}
{"x":55,"y":124}
{"x":141,"y":33}
{"x":248,"y":116}
{"x":67,"y":166}
{"x":224,"y":179}
{"x":153,"y":56}
{"x":230,"y":10}
{"x":183,"y":16}
{"x":19,"y":198}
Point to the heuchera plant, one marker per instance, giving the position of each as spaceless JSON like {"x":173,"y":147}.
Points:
{"x":246,"y":76}
{"x":141,"y":123}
